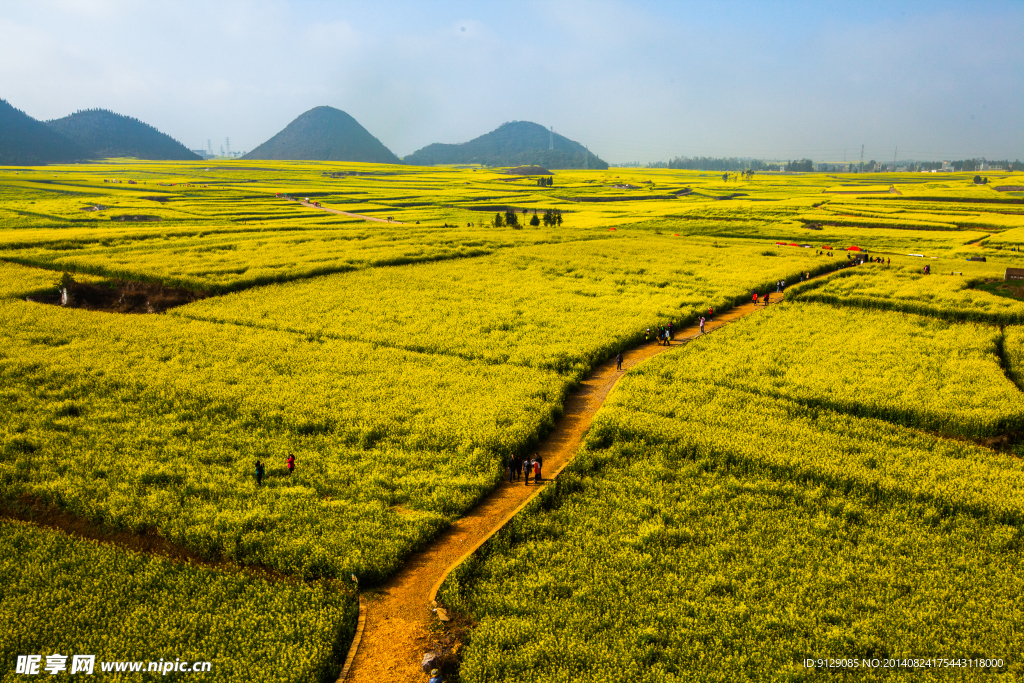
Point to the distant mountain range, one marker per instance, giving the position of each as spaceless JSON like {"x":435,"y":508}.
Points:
{"x":105,"y":134}
{"x":92,"y":134}
{"x":324,"y":134}
{"x":519,"y":143}
{"x":321,"y":134}
{"x":27,"y":142}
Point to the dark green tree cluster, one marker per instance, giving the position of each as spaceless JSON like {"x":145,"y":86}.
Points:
{"x":509,"y":218}
{"x":552,"y":217}
{"x":802,"y":166}
{"x":545,"y":181}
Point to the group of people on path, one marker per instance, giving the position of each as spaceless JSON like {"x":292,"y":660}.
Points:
{"x":519,"y":466}
{"x":664,"y":335}
{"x":261,"y":468}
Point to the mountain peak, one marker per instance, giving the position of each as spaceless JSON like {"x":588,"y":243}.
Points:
{"x":324,"y":134}
{"x":514,"y":143}
{"x":107,"y":134}
{"x":25,"y":141}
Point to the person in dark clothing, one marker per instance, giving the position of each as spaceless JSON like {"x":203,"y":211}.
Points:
{"x":618,"y":361}
{"x":259,"y":473}
{"x":512,"y":466}
{"x":526,"y":469}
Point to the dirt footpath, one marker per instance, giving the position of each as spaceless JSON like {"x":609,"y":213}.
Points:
{"x":310,"y":205}
{"x":398,"y":615}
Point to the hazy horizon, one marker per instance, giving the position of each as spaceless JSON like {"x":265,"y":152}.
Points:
{"x":636,"y":82}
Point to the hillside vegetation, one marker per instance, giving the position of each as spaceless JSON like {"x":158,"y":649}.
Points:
{"x":324,"y":134}
{"x":519,"y":143}
{"x":104,"y":134}
{"x":27,"y":142}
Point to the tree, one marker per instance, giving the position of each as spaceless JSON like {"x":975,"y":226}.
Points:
{"x":534,"y":221}
{"x":558,"y":217}
{"x":977,"y":180}
{"x":511,"y":219}
{"x":499,"y":220}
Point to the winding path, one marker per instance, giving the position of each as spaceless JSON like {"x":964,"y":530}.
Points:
{"x":310,"y":205}
{"x":397,"y":616}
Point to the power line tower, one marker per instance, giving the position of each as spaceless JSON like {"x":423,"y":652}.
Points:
{"x":894,"y":158}
{"x":209,"y":147}
{"x":551,"y":139}
{"x":862,"y":158}
{"x":227,"y":145}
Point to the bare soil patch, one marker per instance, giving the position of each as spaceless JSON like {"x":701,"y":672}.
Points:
{"x":135,"y":217}
{"x":528,"y":170}
{"x":1013,"y":289}
{"x":117,"y":296}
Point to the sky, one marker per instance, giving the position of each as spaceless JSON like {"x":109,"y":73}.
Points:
{"x":634,"y":81}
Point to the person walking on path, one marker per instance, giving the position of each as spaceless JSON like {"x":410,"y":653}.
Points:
{"x":435,"y":676}
{"x":526,"y":470}
{"x":702,"y":324}
{"x":512,"y":465}
{"x":618,"y":361}
{"x":536,"y":472}
{"x":755,"y":298}
{"x":259,"y":472}
{"x":291,"y":464}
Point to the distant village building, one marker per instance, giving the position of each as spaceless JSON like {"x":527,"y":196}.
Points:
{"x":947,"y":167}
{"x":1014,"y":274}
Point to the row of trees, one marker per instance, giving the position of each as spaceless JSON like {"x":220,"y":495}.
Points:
{"x":729,"y":164}
{"x":546,"y":181}
{"x":738,"y":165}
{"x":800,"y":166}
{"x":511,"y":219}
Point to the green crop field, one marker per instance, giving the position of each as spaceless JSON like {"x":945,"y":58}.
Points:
{"x":823,"y":478}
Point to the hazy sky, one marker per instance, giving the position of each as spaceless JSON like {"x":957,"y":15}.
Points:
{"x":636,"y":81}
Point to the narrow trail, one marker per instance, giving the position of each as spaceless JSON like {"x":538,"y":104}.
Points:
{"x":398,"y":615}
{"x":310,"y":205}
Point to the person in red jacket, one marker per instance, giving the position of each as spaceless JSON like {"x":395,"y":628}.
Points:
{"x":291,"y":463}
